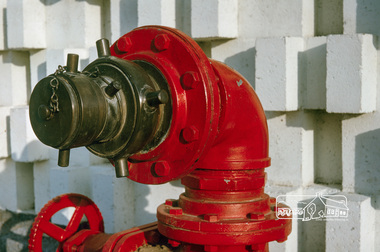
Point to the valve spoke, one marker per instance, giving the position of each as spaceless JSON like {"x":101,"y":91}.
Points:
{"x":51,"y":230}
{"x":74,"y":222}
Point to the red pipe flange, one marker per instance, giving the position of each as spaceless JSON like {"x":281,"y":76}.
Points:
{"x":195,"y":101}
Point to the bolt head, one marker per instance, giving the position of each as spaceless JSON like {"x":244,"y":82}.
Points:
{"x":161,"y":168}
{"x":44,"y":112}
{"x":256,"y":216}
{"x":161,"y":42}
{"x":124,"y":44}
{"x":190,"y":80}
{"x":190,"y":134}
{"x":175,"y":211}
{"x":211,"y":217}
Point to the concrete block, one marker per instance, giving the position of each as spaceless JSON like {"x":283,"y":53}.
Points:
{"x":328,"y":17}
{"x":328,"y":148}
{"x":5,"y":140}
{"x":41,"y":179}
{"x":273,"y":18}
{"x":156,"y":12}
{"x":376,"y":204}
{"x":72,"y":179}
{"x":121,"y":18}
{"x":312,"y":232}
{"x":357,"y":233}
{"x":351,"y":73}
{"x":149,"y":197}
{"x":114,"y":197}
{"x":16,"y":185}
{"x":277,"y":71}
{"x":24,"y":143}
{"x":26,"y":24}
{"x":14,"y":78}
{"x":214,"y":19}
{"x":238,"y":54}
{"x":37,"y":59}
{"x":291,"y":141}
{"x":314,"y":95}
{"x":3,"y":25}
{"x":360,"y":154}
{"x":361,"y":16}
{"x":82,"y":33}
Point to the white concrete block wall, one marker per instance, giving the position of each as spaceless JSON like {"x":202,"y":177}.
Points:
{"x":80,"y":23}
{"x":114,"y":197}
{"x":314,"y":65}
{"x":159,"y":12}
{"x":361,"y":16}
{"x":273,"y":18}
{"x":14,"y":77}
{"x":358,"y":232}
{"x":351,"y":77}
{"x":314,"y":73}
{"x":214,"y":19}
{"x":293,"y":165}
{"x":5,"y":143}
{"x":3,"y":24}
{"x":26,"y":25}
{"x":16,"y":185}
{"x":24,"y":143}
{"x":277,"y":72}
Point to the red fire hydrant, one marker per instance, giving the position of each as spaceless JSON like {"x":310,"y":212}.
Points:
{"x":160,"y":110}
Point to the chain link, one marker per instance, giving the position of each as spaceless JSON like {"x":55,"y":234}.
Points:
{"x":54,"y":83}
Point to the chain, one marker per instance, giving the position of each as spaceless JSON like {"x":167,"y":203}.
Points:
{"x":93,"y":74}
{"x":54,"y":83}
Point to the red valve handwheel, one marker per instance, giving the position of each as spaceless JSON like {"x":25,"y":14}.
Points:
{"x":42,"y":225}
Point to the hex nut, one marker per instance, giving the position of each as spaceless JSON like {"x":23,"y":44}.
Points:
{"x":190,"y":80}
{"x":190,"y":134}
{"x":161,"y":42}
{"x":161,"y":168}
{"x":124,"y":44}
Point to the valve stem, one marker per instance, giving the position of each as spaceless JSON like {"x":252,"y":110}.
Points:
{"x":121,"y":168}
{"x":156,"y":98}
{"x":103,"y":47}
{"x":113,"y":88}
{"x":64,"y":157}
{"x":72,"y":62}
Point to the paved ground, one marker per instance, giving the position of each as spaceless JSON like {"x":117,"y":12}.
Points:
{"x":14,"y":232}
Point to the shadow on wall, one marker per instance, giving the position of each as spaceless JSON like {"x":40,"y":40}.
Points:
{"x":367,"y":163}
{"x":245,"y":62}
{"x":368,"y":16}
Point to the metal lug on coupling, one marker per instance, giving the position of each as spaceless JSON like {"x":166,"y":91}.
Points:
{"x":121,"y":167}
{"x":64,"y":157}
{"x":72,"y":63}
{"x":44,"y":112}
{"x":154,"y":99}
{"x":103,"y":47}
{"x":113,"y":88}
